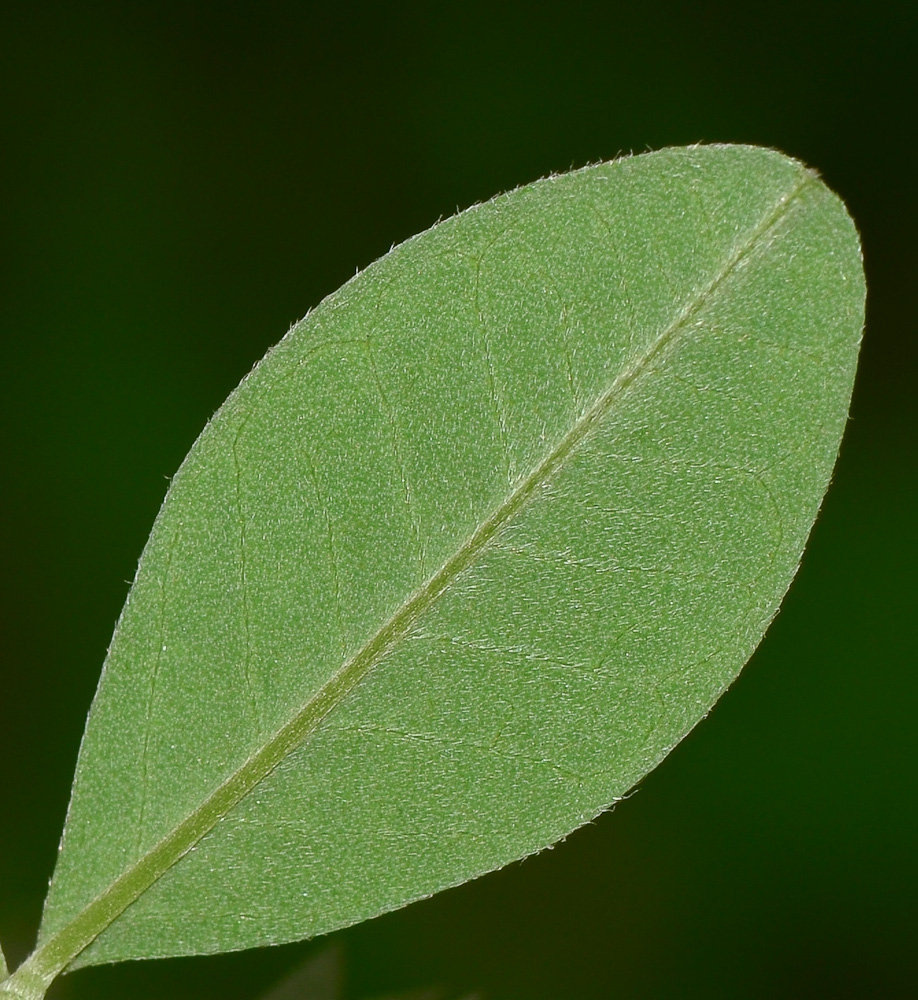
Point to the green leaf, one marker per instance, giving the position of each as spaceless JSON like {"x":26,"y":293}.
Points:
{"x":4,"y":971}
{"x":465,"y":556}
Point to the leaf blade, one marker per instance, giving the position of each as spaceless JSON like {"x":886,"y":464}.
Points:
{"x":502,"y":409}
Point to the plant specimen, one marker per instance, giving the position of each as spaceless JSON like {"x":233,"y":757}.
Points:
{"x":464,"y":556}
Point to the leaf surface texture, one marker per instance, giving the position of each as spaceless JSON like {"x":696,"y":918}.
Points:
{"x":466,"y":554}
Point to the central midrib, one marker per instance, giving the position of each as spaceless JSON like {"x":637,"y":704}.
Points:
{"x":60,"y":949}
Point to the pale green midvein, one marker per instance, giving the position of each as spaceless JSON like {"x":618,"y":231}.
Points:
{"x":31,"y":980}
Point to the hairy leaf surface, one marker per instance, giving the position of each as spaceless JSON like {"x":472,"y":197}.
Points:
{"x":465,"y":556}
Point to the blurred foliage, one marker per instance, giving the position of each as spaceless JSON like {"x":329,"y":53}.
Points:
{"x":181,"y":181}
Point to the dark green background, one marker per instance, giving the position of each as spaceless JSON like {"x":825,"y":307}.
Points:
{"x":181,"y":181}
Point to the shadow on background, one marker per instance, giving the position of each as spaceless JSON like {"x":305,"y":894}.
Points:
{"x":180,"y":182}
